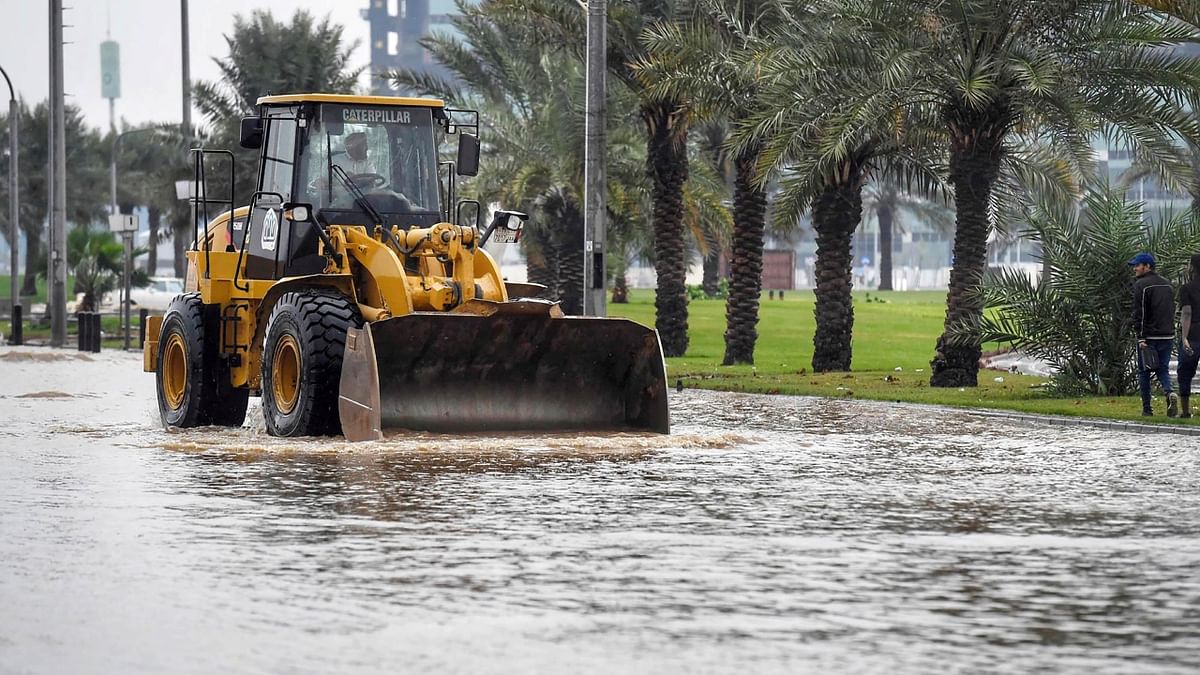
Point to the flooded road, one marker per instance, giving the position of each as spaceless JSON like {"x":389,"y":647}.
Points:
{"x":765,"y":534}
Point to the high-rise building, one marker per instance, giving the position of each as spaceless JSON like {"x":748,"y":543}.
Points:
{"x":1117,"y":164}
{"x":397,"y":27}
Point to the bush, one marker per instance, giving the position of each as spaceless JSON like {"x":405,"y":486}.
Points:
{"x":697,"y":292}
{"x":1078,"y":320}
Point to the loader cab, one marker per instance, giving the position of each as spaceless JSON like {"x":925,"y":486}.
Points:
{"x":320,"y":151}
{"x":389,"y":153}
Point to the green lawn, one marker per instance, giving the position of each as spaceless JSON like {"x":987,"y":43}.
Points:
{"x":41,"y":289}
{"x":899,"y":332}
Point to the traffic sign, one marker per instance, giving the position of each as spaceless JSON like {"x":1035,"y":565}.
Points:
{"x":122,"y":223}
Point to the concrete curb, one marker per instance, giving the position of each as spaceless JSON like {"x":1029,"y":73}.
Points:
{"x":1052,"y":420}
{"x":1112,"y":425}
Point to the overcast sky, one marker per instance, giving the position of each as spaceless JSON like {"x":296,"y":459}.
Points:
{"x":149,"y":35}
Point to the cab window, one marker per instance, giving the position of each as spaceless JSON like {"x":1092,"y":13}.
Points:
{"x":279,"y":154}
{"x":388,"y":153}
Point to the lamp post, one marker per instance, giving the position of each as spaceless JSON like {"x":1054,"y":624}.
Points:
{"x":57,"y":177}
{"x":187,"y":77}
{"x":594,"y":168}
{"x":14,"y":118}
{"x":117,"y":224}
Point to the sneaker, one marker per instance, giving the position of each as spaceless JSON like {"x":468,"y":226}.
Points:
{"x":1172,"y":404}
{"x":1147,"y":413}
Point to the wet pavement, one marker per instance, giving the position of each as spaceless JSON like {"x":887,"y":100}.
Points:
{"x":765,"y":534}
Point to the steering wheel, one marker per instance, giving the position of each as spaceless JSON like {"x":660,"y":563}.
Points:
{"x":369,"y":181}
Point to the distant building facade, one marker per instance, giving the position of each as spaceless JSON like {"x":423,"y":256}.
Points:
{"x":397,"y":27}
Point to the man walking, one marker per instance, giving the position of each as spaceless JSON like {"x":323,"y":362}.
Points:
{"x":1154,"y":322}
{"x":1189,"y":340}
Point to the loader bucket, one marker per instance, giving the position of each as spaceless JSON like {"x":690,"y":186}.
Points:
{"x":517,"y":365}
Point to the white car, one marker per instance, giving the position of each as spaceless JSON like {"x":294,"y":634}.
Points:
{"x":157,"y":295}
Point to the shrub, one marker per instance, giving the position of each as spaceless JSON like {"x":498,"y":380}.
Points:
{"x":696,"y":292}
{"x":1078,"y":319}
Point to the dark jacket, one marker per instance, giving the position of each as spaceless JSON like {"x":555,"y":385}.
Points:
{"x":1189,"y":296}
{"x":1153,"y":308}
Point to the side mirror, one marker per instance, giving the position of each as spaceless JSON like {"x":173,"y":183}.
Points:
{"x":297,"y":212}
{"x":468,"y":155}
{"x":506,"y":225}
{"x":252,"y":133}
{"x":513,"y":220}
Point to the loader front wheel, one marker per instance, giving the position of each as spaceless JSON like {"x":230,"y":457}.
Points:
{"x":302,"y":362}
{"x":193,"y":383}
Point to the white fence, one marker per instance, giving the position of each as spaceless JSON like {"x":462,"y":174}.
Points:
{"x":904,"y":278}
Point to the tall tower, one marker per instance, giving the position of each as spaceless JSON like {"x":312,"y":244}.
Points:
{"x":397,"y":27}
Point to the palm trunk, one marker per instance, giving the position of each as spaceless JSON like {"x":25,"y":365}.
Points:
{"x":620,"y":291}
{"x":667,"y":162}
{"x":886,"y":214}
{"x":745,"y":278}
{"x":974,"y":166}
{"x":541,"y":261}
{"x":570,"y":260}
{"x":152,"y":241}
{"x":540,"y":272}
{"x":836,"y":214}
{"x":711,"y":283}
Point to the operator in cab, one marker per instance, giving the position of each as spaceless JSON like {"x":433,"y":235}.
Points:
{"x":354,"y":157}
{"x":362,"y":169}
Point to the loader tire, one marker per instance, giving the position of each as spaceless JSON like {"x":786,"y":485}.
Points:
{"x":192,"y":380}
{"x":302,"y":362}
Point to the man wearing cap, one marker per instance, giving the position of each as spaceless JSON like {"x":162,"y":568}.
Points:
{"x":1189,"y":336}
{"x":355,"y":160}
{"x":1154,"y":323}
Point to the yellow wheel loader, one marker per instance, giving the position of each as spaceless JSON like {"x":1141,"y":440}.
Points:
{"x":354,"y":296}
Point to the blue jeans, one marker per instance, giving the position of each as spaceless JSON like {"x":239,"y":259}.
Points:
{"x":1187,"y":365}
{"x":1163,"y":347}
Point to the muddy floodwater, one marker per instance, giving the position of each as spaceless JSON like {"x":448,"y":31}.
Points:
{"x":765,"y":534}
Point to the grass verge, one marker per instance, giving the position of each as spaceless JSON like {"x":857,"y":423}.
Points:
{"x":894,"y":336}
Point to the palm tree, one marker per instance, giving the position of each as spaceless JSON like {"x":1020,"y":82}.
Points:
{"x":998,"y":69}
{"x":531,"y":107}
{"x":711,"y":137}
{"x":87,"y":182}
{"x":889,"y":199}
{"x":97,"y":261}
{"x":1078,"y":319}
{"x":149,"y":165}
{"x":822,"y":125}
{"x":271,"y":57}
{"x":690,"y":62}
{"x":664,"y":121}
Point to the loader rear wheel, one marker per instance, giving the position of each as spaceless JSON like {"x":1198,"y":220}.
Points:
{"x":302,"y":362}
{"x":193,"y":382}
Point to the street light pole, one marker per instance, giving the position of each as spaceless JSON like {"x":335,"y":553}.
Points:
{"x":58,"y":182}
{"x":14,"y":119}
{"x":594,"y":169}
{"x":187,"y":76}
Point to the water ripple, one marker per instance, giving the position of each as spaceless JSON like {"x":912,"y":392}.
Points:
{"x":764,"y":534}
